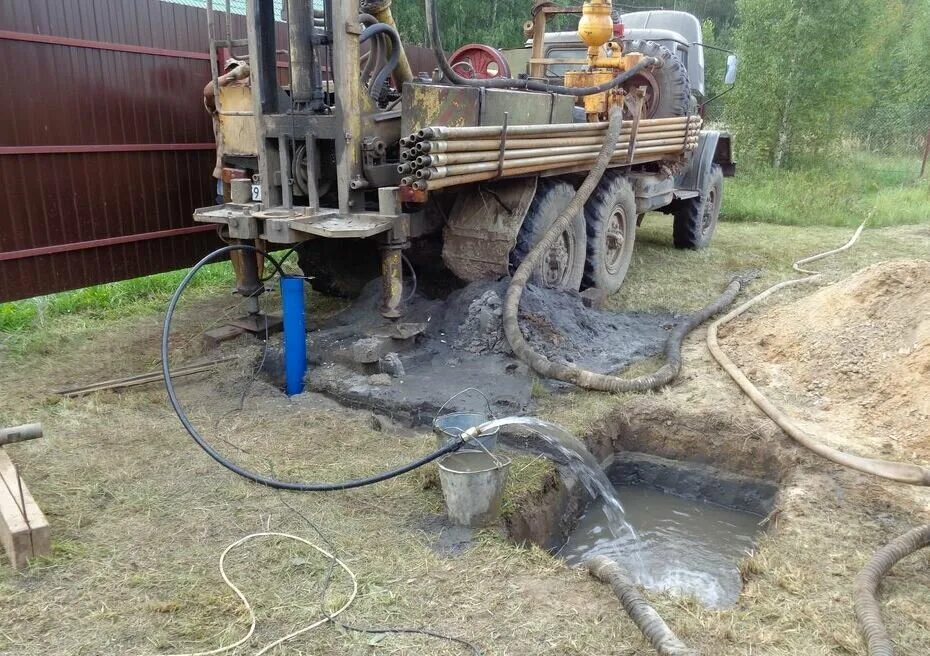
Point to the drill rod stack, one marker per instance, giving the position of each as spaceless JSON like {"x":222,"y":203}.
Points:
{"x":438,"y":157}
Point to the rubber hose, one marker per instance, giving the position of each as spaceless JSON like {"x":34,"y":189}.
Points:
{"x":894,"y":471}
{"x":571,"y":373}
{"x":220,"y":458}
{"x":865,"y":595}
{"x":644,"y":616}
{"x":432,"y":27}
{"x":382,"y":76}
{"x":374,"y":54}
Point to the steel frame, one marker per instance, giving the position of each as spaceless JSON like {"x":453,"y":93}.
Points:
{"x":283,"y":120}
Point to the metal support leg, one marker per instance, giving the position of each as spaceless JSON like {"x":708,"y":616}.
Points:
{"x":392,"y":279}
{"x":248,"y":284}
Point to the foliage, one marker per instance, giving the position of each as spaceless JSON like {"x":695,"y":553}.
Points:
{"x":801,"y":82}
{"x":836,"y":190}
{"x":897,"y":109}
{"x":818,"y":75}
{"x":494,"y":22}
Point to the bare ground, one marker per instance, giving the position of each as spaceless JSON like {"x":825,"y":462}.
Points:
{"x":140,"y":515}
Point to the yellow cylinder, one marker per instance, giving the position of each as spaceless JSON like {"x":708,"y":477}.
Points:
{"x":596,"y":26}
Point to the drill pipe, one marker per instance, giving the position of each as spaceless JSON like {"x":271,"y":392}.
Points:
{"x":451,"y":181}
{"x":493,"y":155}
{"x":469,"y":145}
{"x":545,"y":161}
{"x":448,"y":133}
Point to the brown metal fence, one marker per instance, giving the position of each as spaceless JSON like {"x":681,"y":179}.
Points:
{"x":105,"y":148}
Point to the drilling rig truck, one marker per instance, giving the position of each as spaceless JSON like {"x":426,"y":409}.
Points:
{"x":362,"y":164}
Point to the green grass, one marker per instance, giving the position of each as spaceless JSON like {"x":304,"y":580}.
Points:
{"x":837,"y":191}
{"x":110,"y":300}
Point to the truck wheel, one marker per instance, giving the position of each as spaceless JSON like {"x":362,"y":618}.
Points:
{"x":668,"y":89}
{"x":696,"y":218}
{"x":339,"y":267}
{"x":610,"y":215}
{"x":562,"y":267}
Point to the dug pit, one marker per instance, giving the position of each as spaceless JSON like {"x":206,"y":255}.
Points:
{"x":693,"y":526}
{"x":695,"y":522}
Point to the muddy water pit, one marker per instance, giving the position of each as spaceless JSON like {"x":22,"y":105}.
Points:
{"x":694,"y":522}
{"x":693,"y":525}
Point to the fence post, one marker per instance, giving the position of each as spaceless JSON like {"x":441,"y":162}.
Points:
{"x":923,"y":163}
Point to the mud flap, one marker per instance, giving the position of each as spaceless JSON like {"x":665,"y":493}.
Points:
{"x":483,"y":225}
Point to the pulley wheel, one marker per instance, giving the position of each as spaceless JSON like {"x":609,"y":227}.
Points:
{"x":479,"y":62}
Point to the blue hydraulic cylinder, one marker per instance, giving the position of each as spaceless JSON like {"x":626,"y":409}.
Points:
{"x":295,"y":334}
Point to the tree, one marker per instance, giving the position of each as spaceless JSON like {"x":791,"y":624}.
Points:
{"x":498,"y":23}
{"x":897,"y":112}
{"x":801,"y":73}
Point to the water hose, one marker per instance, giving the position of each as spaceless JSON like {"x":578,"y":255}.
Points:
{"x":374,"y":54}
{"x":381,"y":77}
{"x":865,"y":595}
{"x":571,"y":373}
{"x":894,"y":471}
{"x":432,"y":28}
{"x":644,"y":616}
{"x":269,"y":481}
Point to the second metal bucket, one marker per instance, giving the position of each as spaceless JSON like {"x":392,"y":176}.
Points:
{"x":473,"y":486}
{"x":450,"y":426}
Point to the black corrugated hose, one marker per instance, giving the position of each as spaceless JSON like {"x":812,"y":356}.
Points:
{"x":865,"y":596}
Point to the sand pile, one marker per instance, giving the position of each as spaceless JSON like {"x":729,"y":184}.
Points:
{"x":857,"y":350}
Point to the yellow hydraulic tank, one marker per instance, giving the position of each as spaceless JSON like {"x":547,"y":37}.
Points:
{"x":596,"y":26}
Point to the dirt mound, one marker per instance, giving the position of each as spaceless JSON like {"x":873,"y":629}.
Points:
{"x":857,"y":350}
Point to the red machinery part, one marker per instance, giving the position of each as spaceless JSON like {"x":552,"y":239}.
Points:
{"x":479,"y":62}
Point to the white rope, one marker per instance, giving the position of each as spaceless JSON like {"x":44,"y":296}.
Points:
{"x":248,"y":606}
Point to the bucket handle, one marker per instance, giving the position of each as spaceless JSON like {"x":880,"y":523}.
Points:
{"x":467,"y":389}
{"x":497,"y":461}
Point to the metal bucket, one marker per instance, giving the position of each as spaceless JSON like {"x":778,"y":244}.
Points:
{"x":473,"y":486}
{"x":450,"y":426}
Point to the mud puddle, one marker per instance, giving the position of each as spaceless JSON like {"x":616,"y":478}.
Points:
{"x":684,"y":546}
{"x":458,"y":342}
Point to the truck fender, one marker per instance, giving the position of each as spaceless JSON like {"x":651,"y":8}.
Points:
{"x":482,"y":227}
{"x":713,"y":148}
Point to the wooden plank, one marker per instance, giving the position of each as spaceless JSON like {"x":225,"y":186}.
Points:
{"x":24,"y":531}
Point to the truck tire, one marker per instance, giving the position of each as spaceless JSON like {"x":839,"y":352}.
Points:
{"x":563,"y":265}
{"x":339,"y":267}
{"x":696,"y":218}
{"x":610,"y":217}
{"x":668,"y":89}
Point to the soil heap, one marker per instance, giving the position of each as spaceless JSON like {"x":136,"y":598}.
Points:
{"x":854,"y":354}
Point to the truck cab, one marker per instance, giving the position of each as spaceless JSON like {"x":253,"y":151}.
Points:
{"x":693,"y":193}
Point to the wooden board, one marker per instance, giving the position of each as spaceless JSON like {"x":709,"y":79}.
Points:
{"x":237,"y":125}
{"x":23,"y":537}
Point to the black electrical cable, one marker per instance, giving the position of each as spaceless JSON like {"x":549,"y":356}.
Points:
{"x":220,"y":458}
{"x":432,"y":27}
